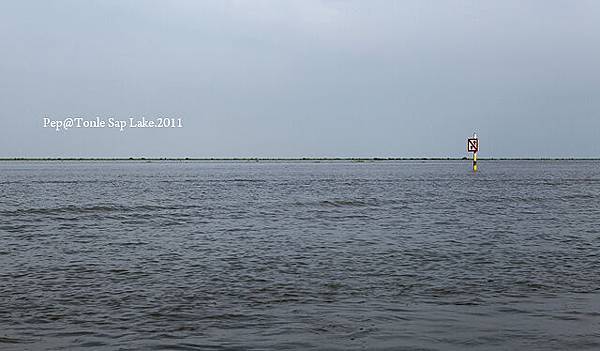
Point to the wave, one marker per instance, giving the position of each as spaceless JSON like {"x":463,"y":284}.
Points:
{"x":92,"y":209}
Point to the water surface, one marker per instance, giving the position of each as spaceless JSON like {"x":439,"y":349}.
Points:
{"x":254,"y":256}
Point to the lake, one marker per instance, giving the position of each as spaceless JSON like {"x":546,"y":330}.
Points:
{"x":403,"y":255}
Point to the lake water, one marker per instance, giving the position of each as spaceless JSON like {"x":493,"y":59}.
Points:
{"x":275,"y":256}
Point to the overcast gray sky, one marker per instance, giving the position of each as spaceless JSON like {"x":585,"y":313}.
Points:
{"x":303,"y":78}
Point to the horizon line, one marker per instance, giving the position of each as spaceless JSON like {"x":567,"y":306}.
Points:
{"x":258,"y":159}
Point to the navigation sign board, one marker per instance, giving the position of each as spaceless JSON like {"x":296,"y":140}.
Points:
{"x":472,"y":145}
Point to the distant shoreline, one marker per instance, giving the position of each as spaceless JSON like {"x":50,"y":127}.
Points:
{"x":291,"y":159}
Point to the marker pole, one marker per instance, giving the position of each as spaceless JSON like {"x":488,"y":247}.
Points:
{"x":475,"y":161}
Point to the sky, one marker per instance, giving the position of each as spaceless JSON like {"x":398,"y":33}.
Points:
{"x":302,"y":78}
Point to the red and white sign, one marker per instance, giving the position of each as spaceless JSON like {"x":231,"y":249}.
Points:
{"x":472,"y":145}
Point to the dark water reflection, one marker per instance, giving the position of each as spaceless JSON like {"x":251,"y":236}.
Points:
{"x":348,"y":256}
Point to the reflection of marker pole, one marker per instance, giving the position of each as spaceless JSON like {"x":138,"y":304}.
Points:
{"x":475,"y":161}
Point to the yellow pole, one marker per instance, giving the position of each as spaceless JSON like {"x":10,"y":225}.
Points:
{"x":475,"y":161}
